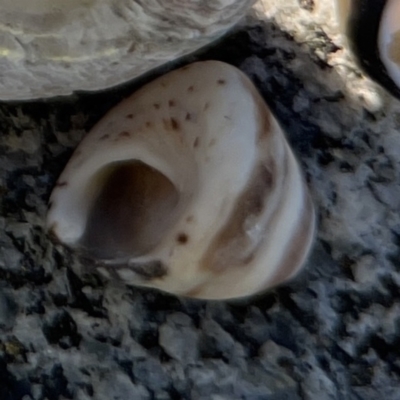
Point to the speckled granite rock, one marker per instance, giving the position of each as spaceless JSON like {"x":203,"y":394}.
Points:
{"x":333,"y":333}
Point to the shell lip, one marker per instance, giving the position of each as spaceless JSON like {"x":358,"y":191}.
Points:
{"x":144,"y":272}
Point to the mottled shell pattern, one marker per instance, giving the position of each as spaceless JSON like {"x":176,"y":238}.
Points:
{"x":188,"y":186}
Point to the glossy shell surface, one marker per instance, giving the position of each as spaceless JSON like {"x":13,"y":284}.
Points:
{"x":189,"y":186}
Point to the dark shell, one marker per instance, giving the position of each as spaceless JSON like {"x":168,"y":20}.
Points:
{"x":362,"y":28}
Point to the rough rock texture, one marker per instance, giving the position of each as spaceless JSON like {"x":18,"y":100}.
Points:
{"x":333,"y":333}
{"x":50,"y":48}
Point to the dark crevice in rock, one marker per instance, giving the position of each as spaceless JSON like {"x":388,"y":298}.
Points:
{"x":62,"y":330}
{"x":55,"y":384}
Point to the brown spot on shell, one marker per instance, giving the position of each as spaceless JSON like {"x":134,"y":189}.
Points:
{"x":157,"y":106}
{"x":188,"y":117}
{"x":172,"y":103}
{"x":130,"y":116}
{"x":172,"y":124}
{"x":206,"y":106}
{"x":221,"y":81}
{"x":175,"y":124}
{"x":182,"y":238}
{"x":124,"y":134}
{"x":104,"y":137}
{"x":189,"y":218}
{"x":190,"y":88}
{"x":149,"y":124}
{"x":196,"y":142}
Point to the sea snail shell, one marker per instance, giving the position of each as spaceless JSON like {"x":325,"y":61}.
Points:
{"x":188,"y":186}
{"x":55,"y":47}
{"x":373,"y":30}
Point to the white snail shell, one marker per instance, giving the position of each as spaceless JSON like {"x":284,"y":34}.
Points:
{"x":55,"y":47}
{"x":389,"y":39}
{"x":373,"y":31}
{"x":188,"y":186}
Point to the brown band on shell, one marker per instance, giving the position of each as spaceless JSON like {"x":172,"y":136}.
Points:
{"x":394,"y":48}
{"x":299,"y":245}
{"x":124,"y":134}
{"x":231,"y":246}
{"x":265,"y":123}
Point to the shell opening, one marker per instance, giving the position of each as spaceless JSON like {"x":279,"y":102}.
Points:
{"x":134,"y":207}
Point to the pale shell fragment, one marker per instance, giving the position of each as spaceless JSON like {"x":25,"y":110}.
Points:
{"x":55,"y":47}
{"x":188,"y":186}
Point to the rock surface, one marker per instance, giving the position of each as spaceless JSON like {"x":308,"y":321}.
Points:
{"x":333,"y":333}
{"x":50,"y":48}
